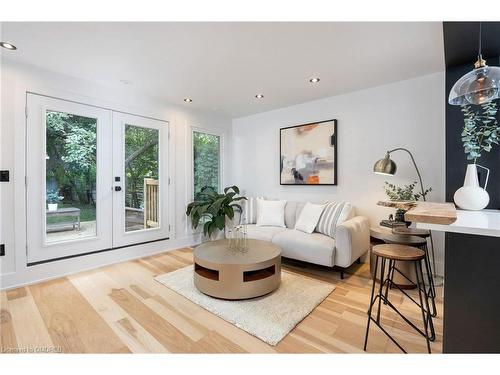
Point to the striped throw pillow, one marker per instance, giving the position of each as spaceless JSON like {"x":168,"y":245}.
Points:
{"x":333,"y":214}
{"x":249,"y":210}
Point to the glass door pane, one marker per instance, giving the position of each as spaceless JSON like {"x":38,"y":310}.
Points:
{"x":140,"y":193}
{"x":70,"y":173}
{"x":141,"y":178}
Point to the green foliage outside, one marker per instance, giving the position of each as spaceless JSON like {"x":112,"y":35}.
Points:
{"x":71,"y":149}
{"x":481,"y":130}
{"x":141,"y":161}
{"x":206,"y":154}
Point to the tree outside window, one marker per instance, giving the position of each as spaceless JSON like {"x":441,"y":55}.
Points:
{"x":206,"y":161}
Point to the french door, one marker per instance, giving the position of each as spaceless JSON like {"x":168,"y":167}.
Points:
{"x":96,"y":179}
{"x":140,"y":179}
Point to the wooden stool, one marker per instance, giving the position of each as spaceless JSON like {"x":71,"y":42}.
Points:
{"x":421,"y":243}
{"x":404,"y":239}
{"x":424,"y":233}
{"x":377,"y":235}
{"x":401,"y":253}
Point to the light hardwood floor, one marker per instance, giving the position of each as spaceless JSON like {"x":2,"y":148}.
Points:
{"x":121,"y":309}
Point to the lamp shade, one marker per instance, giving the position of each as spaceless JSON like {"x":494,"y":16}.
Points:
{"x":479,"y":86}
{"x":385,"y":166}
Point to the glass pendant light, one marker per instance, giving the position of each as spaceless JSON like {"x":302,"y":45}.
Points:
{"x":479,"y":86}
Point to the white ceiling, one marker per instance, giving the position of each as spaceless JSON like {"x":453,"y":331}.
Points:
{"x":221,"y":66}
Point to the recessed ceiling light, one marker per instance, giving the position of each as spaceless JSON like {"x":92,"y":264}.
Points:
{"x":8,"y":46}
{"x":259,"y":96}
{"x":188,"y":100}
{"x":314,"y":80}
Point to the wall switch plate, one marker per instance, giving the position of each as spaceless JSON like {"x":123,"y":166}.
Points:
{"x":4,"y":176}
{"x":2,"y":250}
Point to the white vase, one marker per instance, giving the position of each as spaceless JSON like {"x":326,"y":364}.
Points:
{"x":471,"y":196}
{"x":52,"y":206}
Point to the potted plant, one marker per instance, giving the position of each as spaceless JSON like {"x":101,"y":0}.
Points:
{"x":53,"y":199}
{"x":480,"y":133}
{"x":211,"y":208}
{"x":403,"y":194}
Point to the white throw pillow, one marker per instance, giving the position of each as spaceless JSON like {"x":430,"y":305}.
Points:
{"x":309,"y":217}
{"x":270,"y":213}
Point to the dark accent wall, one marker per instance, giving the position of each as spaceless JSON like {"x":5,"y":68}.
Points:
{"x":472,"y":263}
{"x":461,"y":41}
{"x":456,"y":159}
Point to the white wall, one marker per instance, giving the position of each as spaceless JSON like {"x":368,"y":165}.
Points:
{"x":16,"y":80}
{"x":404,"y":114}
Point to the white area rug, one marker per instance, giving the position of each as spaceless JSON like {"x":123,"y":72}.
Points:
{"x":271,"y":317}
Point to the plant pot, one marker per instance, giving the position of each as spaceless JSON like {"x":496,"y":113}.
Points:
{"x":471,"y":196}
{"x":52,"y":206}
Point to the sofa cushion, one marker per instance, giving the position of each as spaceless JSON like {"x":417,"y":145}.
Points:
{"x":309,"y":217}
{"x":263,"y":233}
{"x":314,"y":248}
{"x":249,"y":210}
{"x":271,"y":213}
{"x":290,"y":210}
{"x":333,"y":214}
{"x":298,"y":211}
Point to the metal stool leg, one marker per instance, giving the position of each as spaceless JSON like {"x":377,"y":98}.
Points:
{"x":430,"y":272}
{"x":430,"y":278}
{"x":420,"y":278}
{"x":382,"y":281}
{"x":390,"y":275}
{"x":432,"y":299}
{"x":374,"y":280}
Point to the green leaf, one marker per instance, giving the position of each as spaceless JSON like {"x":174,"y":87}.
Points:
{"x":220,"y":222}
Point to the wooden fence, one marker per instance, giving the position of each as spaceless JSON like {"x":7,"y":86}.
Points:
{"x":151,"y":203}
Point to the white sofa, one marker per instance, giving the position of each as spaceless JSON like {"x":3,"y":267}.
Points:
{"x":352,"y":239}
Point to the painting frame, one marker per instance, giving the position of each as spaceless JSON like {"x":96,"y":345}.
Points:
{"x":333,"y":142}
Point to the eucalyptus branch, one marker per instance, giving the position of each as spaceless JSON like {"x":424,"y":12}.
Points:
{"x":405,"y":193}
{"x":481,"y":130}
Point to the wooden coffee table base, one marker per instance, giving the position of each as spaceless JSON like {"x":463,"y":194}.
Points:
{"x":229,"y":274}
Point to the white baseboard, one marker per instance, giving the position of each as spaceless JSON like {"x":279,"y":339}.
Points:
{"x":60,"y":268}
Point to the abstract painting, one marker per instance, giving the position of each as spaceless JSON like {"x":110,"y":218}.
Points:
{"x":309,"y":154}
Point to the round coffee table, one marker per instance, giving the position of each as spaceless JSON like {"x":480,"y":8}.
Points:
{"x":233,"y":274}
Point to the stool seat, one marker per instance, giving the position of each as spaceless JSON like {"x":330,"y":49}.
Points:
{"x":404,"y":239}
{"x":398,"y":252}
{"x":412,"y":231}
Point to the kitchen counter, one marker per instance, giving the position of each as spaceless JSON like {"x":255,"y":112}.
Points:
{"x":482,"y":223}
{"x":471,"y":277}
{"x":425,"y":212}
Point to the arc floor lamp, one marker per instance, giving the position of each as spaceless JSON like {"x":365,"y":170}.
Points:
{"x":388,"y":167}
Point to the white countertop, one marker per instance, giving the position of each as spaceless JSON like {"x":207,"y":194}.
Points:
{"x":482,"y":223}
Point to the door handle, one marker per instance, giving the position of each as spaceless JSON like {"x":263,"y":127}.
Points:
{"x":118,"y":188}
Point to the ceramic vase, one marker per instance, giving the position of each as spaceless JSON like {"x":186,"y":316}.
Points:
{"x":471,"y":196}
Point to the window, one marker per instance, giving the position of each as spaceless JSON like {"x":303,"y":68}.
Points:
{"x":206,"y":161}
